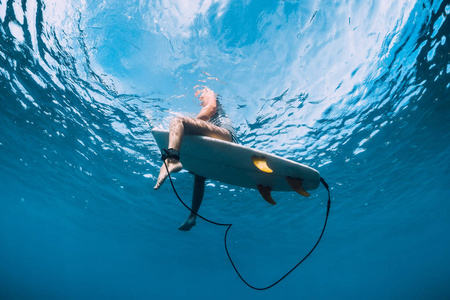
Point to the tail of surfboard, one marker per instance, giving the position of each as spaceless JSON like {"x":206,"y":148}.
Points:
{"x":295,"y":183}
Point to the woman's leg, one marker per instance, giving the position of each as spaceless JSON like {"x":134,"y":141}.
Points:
{"x":197,"y":197}
{"x":179,"y":126}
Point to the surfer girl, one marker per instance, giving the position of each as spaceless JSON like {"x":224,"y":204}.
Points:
{"x":211,"y":121}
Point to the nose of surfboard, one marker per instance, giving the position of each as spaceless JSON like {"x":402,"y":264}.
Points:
{"x":261,"y":163}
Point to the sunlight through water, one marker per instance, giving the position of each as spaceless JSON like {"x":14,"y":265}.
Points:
{"x":358,"y":90}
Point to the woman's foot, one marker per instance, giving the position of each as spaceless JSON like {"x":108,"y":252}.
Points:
{"x":188,"y":224}
{"x":174,"y":166}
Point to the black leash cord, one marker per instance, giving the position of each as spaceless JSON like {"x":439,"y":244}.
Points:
{"x":229,"y":226}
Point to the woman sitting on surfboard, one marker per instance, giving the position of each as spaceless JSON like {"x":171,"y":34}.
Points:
{"x":211,"y":121}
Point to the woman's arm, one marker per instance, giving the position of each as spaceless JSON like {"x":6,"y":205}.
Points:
{"x":209,"y":102}
{"x":207,"y":112}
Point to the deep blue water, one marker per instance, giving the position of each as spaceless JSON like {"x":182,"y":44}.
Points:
{"x":356,"y":89}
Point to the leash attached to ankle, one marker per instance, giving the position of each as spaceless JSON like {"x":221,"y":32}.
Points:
{"x":170,"y":153}
{"x":167,"y":154}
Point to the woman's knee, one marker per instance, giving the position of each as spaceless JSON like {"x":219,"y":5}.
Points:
{"x":176,"y":122}
{"x":199,"y":179}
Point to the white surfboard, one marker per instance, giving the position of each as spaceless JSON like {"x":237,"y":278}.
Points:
{"x":238,"y":165}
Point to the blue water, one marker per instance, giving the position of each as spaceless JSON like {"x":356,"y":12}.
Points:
{"x":356,"y":89}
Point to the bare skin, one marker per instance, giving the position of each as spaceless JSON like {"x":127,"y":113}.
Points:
{"x":197,"y":197}
{"x":179,"y":126}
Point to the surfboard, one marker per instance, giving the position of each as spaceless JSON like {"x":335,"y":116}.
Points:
{"x":238,"y":165}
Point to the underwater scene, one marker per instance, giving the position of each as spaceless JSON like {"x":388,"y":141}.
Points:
{"x":358,"y":90}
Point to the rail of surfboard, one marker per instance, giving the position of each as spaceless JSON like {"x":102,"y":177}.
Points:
{"x":235,"y":164}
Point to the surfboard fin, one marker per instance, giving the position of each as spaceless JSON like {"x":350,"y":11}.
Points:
{"x":297,"y":185}
{"x":265,"y":192}
{"x":261,"y":163}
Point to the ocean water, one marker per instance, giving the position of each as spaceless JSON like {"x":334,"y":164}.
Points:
{"x":358,"y":90}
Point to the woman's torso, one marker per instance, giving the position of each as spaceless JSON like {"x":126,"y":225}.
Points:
{"x":221,"y":119}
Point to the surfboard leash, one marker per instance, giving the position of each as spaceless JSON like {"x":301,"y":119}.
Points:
{"x":229,"y":226}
